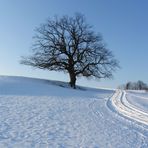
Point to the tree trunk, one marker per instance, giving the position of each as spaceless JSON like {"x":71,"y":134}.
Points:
{"x":72,"y":80}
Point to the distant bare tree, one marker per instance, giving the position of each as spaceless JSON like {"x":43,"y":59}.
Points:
{"x":141,"y":85}
{"x":128,"y":85}
{"x":70,"y":45}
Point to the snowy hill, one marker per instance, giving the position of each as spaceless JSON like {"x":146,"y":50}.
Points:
{"x":40,"y":113}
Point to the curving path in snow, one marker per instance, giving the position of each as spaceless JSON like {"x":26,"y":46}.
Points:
{"x":121,"y":105}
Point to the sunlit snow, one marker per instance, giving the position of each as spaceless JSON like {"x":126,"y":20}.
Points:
{"x":37,"y":113}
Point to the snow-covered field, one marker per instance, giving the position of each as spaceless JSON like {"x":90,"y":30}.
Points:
{"x":39,"y":114}
{"x":139,"y":100}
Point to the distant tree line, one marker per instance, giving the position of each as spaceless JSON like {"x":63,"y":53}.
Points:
{"x":139,"y":85}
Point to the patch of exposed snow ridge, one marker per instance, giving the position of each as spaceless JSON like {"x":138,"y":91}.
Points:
{"x":40,"y":114}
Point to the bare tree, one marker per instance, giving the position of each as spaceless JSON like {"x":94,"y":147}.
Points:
{"x":70,"y":45}
{"x":141,"y":85}
{"x":128,"y":85}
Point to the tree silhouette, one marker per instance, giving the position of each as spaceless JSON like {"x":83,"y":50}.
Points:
{"x":70,"y":45}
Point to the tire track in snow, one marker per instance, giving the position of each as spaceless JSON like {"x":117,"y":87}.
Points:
{"x":110,"y":124}
{"x":121,"y":105}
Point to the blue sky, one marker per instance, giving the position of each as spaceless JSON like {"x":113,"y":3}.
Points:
{"x":123,"y":24}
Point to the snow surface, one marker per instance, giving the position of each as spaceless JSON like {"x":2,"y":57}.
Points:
{"x":139,"y":100}
{"x":37,"y":113}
